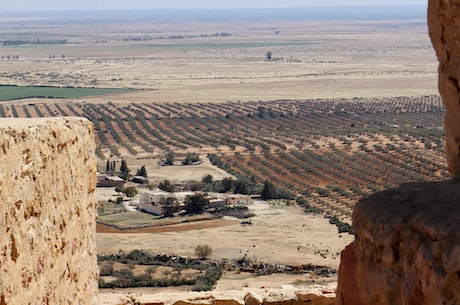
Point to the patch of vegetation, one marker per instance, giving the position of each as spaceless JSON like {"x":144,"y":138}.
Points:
{"x":240,"y":212}
{"x":343,"y":227}
{"x":125,"y":277}
{"x":17,"y":92}
{"x":203,"y":251}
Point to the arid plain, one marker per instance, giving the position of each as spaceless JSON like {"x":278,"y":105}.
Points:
{"x":190,"y":61}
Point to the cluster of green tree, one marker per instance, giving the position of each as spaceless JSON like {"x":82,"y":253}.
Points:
{"x":269,"y":191}
{"x":110,"y":166}
{"x":176,"y":37}
{"x":53,"y":56}
{"x":33,"y":42}
{"x":170,"y":206}
{"x":124,"y":171}
{"x":209,"y":279}
{"x":208,"y":184}
{"x":196,"y":203}
{"x":191,"y":158}
{"x":8,"y":57}
{"x":128,"y":191}
{"x":243,"y":185}
{"x":141,"y":171}
{"x":193,"y":204}
{"x":240,"y":212}
{"x":125,"y":277}
{"x":170,"y":157}
{"x":166,"y":186}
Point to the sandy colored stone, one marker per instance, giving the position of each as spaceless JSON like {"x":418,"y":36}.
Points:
{"x":406,"y":248}
{"x":282,"y":296}
{"x":47,"y":215}
{"x":444,"y":29}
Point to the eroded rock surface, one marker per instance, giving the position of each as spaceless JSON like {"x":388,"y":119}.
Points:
{"x":47,"y":212}
{"x":407,"y":248}
{"x":444,"y":28}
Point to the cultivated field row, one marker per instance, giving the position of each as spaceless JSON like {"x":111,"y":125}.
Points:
{"x":332,"y":151}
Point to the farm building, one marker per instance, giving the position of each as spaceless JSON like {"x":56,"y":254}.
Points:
{"x":216,"y":200}
{"x":149,"y":202}
{"x":109,"y":181}
{"x":140,"y":180}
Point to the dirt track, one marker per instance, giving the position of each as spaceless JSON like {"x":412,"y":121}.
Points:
{"x":205,"y":224}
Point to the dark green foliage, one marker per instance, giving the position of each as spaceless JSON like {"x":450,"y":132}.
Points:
{"x":268,"y":56}
{"x":166,"y":186}
{"x":269,"y":191}
{"x":170,"y":206}
{"x":284,"y":194}
{"x":245,"y":186}
{"x":241,"y":212}
{"x":125,"y":277}
{"x":210,"y":278}
{"x":308,"y":208}
{"x":302,"y":201}
{"x":142,"y":172}
{"x":343,"y":227}
{"x":207,"y":179}
{"x":191,"y":158}
{"x":124,"y":170}
{"x":195,"y":204}
{"x":130,"y":191}
{"x":227,"y":184}
{"x":170,"y":157}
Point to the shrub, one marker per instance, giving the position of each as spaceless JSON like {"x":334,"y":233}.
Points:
{"x":203,"y":251}
{"x":210,"y":278}
{"x":196,"y":203}
{"x":166,"y":186}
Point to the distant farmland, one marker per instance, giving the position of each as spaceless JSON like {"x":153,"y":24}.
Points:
{"x":8,"y":93}
{"x":333,"y":152}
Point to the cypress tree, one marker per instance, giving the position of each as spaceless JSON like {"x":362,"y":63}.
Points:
{"x":269,"y":191}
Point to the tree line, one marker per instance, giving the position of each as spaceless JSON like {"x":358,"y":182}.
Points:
{"x":33,"y":42}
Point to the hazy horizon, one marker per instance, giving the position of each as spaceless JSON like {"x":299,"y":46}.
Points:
{"x":57,"y":5}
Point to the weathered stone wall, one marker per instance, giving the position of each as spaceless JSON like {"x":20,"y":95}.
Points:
{"x":47,"y":212}
{"x":266,"y":296}
{"x":407,"y":248}
{"x":444,"y":28}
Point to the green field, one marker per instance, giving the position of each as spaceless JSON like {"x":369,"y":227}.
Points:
{"x":8,"y":93}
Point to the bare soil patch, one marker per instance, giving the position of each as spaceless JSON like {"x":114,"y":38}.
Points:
{"x":278,"y":234}
{"x":161,"y":228}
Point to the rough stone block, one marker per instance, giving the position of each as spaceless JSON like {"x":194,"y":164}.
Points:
{"x":406,"y":249}
{"x":47,"y":212}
